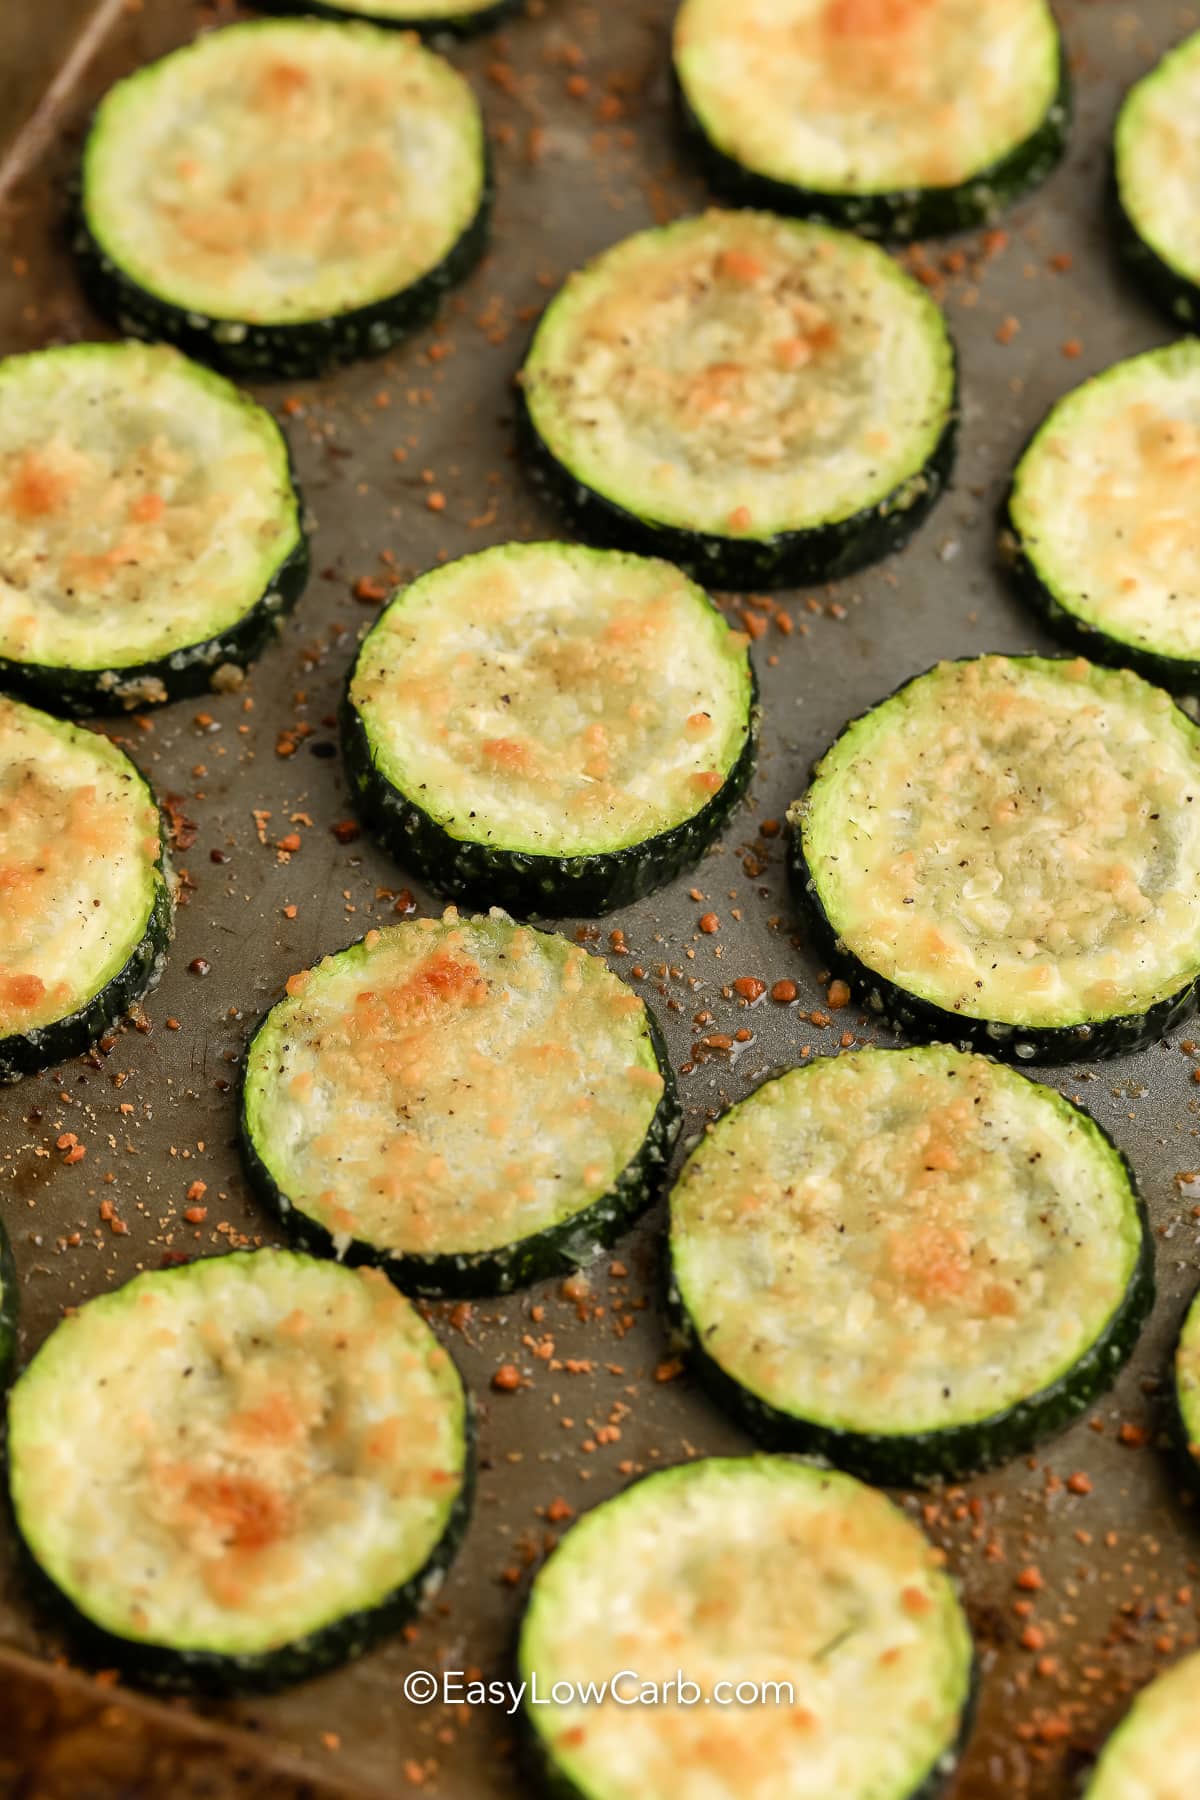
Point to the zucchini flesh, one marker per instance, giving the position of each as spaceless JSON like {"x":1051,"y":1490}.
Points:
{"x":1154,"y":1754}
{"x":85,"y":910}
{"x":470,"y":1103}
{"x":1157,"y":180}
{"x":149,"y":528}
{"x":764,"y":401}
{"x":914,"y":1262}
{"x":757,"y":1570}
{"x":279,"y":195}
{"x":241,"y":1470}
{"x":1006,"y":853}
{"x":549,"y":727}
{"x":896,"y":118}
{"x":1100,"y":527}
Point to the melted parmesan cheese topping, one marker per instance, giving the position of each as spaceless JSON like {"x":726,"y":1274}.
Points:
{"x":144,"y":505}
{"x":452,"y":1086}
{"x":1158,"y":158}
{"x":867,"y":96}
{"x":759,"y":1570}
{"x":902,"y":1240}
{"x":231,"y":1455}
{"x":742,"y":374}
{"x":1105,"y":501}
{"x":1015,"y":839}
{"x":552,"y":699}
{"x":79,"y":841}
{"x":277,"y":172}
{"x":1155,"y":1752}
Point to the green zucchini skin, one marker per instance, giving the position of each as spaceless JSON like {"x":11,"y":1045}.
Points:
{"x":1176,"y":295}
{"x":902,"y":214}
{"x":181,"y":674}
{"x":787,"y":559}
{"x":460,"y":25}
{"x":26,"y":1053}
{"x":525,"y":884}
{"x":1179,"y":674}
{"x":273,"y":351}
{"x":914,"y":1459}
{"x":207,"y":1672}
{"x":1050,"y":1045}
{"x":476,"y":1274}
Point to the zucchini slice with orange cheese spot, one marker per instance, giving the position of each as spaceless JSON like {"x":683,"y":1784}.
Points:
{"x":549,"y":728}
{"x":469,"y":1103}
{"x":85,"y":905}
{"x":283,"y":195}
{"x":894,"y":118}
{"x":1006,"y":854}
{"x":150,"y":535}
{"x":917,"y":1263}
{"x":242,"y":1471}
{"x":766,"y":401}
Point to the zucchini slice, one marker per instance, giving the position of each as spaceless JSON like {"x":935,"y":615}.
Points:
{"x":548,"y":728}
{"x":240,"y":1472}
{"x":1157,"y":181}
{"x":467,"y":1102}
{"x":895,"y":118}
{"x":825,"y":1650}
{"x":917,"y":1263}
{"x":283,"y":195}
{"x":149,"y":529}
{"x":1154,"y":1754}
{"x":457,"y":18}
{"x":766,"y":402}
{"x":1006,"y":853}
{"x":1100,"y":527}
{"x":85,"y":908}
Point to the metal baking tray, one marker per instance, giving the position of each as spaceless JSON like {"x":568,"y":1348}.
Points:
{"x":578,"y":103}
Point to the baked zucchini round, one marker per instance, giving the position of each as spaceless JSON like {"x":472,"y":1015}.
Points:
{"x":895,"y":118}
{"x":746,"y":1628}
{"x":85,"y":908}
{"x":1006,"y":854}
{"x":242,"y":1471}
{"x":549,"y":728}
{"x":1154,"y":1754}
{"x":916,"y":1263}
{"x":149,"y":528}
{"x":766,"y":402}
{"x":458,"y":18}
{"x":1157,"y":181}
{"x":282,"y":195}
{"x":470,"y":1103}
{"x":1100,"y":528}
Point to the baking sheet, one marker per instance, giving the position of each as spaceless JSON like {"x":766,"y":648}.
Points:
{"x":578,"y":104}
